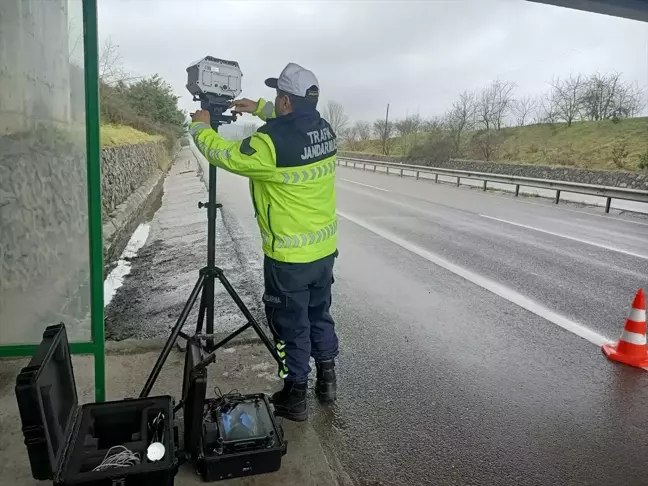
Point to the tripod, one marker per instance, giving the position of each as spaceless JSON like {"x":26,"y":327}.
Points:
{"x":205,"y":284}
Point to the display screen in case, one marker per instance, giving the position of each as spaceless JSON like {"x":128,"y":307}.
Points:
{"x":230,"y":436}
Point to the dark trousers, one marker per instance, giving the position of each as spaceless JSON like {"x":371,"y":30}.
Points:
{"x":297,"y":301}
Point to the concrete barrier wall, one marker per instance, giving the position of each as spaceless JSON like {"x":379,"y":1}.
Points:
{"x":132,"y":179}
{"x":125,"y":168}
{"x":626,"y":179}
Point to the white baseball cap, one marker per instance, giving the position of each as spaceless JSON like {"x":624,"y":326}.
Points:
{"x":297,"y":81}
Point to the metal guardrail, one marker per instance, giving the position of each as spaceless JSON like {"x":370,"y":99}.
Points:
{"x":559,"y":186}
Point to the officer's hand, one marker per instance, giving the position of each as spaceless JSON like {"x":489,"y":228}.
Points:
{"x":244,"y":106}
{"x":201,"y":116}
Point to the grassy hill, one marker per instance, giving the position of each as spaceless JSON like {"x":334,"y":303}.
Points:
{"x":588,"y":144}
{"x":112,"y":135}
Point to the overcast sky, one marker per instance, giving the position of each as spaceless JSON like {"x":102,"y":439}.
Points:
{"x":416,"y":55}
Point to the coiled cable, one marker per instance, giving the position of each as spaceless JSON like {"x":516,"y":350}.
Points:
{"x":125,"y":458}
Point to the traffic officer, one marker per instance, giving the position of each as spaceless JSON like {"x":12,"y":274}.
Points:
{"x":290,"y":162}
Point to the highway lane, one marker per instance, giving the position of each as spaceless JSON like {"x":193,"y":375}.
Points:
{"x":445,"y":382}
{"x":581,"y":266}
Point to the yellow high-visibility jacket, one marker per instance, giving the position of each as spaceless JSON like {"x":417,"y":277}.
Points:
{"x":290,"y":162}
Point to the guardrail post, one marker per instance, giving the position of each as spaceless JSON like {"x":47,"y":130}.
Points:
{"x":417,"y":175}
{"x":401,"y":174}
{"x":458,"y":181}
{"x":364,"y":166}
{"x":387,"y":170}
{"x":485,"y":182}
{"x":346,"y":163}
{"x":608,"y":203}
{"x":354,"y":165}
{"x":436,"y":178}
{"x":557,"y":197}
{"x":517,"y":190}
{"x":375,"y":168}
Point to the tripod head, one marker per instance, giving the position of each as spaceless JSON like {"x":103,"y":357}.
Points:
{"x":215,"y":83}
{"x":216,"y":105}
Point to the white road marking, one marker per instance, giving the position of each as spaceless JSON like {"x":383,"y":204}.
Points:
{"x":115,"y":278}
{"x":486,"y":283}
{"x":366,"y":185}
{"x":587,"y":242}
{"x":606,"y":216}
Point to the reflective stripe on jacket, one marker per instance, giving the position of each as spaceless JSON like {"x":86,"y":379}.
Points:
{"x":290,"y":162}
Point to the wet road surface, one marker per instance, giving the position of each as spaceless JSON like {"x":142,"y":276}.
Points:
{"x":454,"y":367}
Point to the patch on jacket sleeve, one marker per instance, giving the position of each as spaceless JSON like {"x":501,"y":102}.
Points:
{"x":246,"y":148}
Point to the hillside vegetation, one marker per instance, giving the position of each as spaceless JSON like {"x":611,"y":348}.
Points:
{"x":587,"y":120}
{"x":136,"y":109}
{"x":605,"y":144}
{"x":113,"y":135}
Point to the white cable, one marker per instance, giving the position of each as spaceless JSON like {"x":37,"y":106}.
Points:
{"x":125,"y":458}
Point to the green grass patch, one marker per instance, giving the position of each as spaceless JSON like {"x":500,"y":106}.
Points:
{"x":116,"y":135}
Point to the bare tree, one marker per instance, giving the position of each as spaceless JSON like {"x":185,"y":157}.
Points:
{"x":385,"y":132}
{"x":607,"y":96}
{"x":546,"y":110}
{"x":494,"y":104}
{"x":630,"y":101}
{"x":434,"y":124}
{"x":568,"y":97}
{"x":408,"y":128}
{"x":351,"y":138}
{"x":111,"y":67}
{"x":363,"y":130}
{"x":484,"y":108}
{"x":461,"y":117}
{"x":523,"y":108}
{"x":334,"y":113}
{"x":503,"y":101}
{"x":487,"y":143}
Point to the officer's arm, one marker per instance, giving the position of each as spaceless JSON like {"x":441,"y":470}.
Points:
{"x":253,"y":157}
{"x":265,"y":109}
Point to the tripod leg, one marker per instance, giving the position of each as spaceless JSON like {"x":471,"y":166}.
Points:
{"x":248,"y":315}
{"x":201,"y":312}
{"x":208,"y":295}
{"x":172,"y":338}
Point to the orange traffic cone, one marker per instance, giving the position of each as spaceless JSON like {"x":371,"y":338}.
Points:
{"x":631,"y":348}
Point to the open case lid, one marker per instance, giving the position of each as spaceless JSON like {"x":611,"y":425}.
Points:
{"x":194,"y":391}
{"x":48,"y":402}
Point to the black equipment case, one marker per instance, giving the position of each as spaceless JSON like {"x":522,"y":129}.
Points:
{"x":66,"y":442}
{"x":216,"y":436}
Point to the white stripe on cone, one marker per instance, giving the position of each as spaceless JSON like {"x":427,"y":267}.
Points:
{"x":637,"y":315}
{"x":633,"y":338}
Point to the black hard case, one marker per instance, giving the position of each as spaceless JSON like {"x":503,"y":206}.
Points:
{"x":65,"y":441}
{"x":261,"y":459}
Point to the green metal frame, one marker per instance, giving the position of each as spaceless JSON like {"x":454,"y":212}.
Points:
{"x":96,"y":346}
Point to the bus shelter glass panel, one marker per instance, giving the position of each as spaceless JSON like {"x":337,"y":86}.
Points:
{"x":44,"y":251}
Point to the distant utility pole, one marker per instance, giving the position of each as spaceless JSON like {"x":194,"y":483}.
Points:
{"x":386,"y":134}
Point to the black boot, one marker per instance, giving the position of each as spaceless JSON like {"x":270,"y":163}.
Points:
{"x":326,"y":384}
{"x":290,"y":403}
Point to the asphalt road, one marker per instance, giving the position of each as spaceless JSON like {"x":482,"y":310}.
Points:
{"x":470,"y":326}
